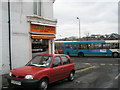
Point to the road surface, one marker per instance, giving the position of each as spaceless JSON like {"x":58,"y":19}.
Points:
{"x":91,"y":72}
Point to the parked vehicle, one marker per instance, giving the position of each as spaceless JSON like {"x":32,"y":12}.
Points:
{"x":42,"y":70}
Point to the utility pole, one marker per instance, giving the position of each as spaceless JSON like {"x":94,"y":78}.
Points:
{"x":79,"y":28}
{"x":9,"y":27}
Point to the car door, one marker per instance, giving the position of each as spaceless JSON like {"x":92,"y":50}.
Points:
{"x":66,"y":65}
{"x":57,"y":69}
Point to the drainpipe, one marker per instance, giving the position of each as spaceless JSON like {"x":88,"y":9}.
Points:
{"x":9,"y":28}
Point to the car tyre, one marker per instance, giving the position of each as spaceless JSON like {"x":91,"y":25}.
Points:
{"x":71,"y":76}
{"x":43,"y":84}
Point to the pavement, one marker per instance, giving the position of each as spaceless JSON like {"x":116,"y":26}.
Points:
{"x":78,"y":66}
{"x":0,"y":81}
{"x":3,"y":79}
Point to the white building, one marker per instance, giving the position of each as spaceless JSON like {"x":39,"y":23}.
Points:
{"x":28,"y":28}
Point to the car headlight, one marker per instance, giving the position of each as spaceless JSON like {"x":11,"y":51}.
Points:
{"x":10,"y":74}
{"x":29,"y":77}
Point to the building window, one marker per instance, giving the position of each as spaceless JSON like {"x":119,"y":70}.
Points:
{"x":37,"y":7}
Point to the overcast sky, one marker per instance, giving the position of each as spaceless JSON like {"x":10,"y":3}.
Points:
{"x":96,"y":17}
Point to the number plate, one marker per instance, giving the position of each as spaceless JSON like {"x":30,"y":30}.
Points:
{"x":15,"y":82}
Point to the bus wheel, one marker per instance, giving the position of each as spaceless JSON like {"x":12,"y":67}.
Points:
{"x":115,"y":55}
{"x":80,"y":55}
{"x":68,"y":53}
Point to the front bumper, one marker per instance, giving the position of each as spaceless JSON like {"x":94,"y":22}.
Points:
{"x":23,"y":83}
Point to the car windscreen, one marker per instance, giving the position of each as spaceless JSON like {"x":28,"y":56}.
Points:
{"x":40,"y":61}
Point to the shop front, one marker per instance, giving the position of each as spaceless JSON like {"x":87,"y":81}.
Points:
{"x":42,"y":39}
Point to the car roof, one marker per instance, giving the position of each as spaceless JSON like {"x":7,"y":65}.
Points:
{"x":51,"y":55}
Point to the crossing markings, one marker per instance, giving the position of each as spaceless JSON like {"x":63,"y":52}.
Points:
{"x":117,"y":76}
{"x":85,"y":69}
{"x":110,"y":64}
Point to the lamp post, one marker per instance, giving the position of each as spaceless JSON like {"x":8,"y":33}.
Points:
{"x":79,"y":27}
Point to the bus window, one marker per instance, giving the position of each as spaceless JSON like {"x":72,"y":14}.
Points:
{"x":75,"y":46}
{"x":97,"y":45}
{"x":114,"y":45}
{"x":68,"y":46}
{"x":83,"y":46}
{"x":106,"y":45}
{"x":91,"y":46}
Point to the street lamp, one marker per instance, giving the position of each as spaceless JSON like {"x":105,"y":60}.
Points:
{"x":79,"y":27}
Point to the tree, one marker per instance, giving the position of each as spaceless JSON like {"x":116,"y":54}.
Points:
{"x":87,"y":33}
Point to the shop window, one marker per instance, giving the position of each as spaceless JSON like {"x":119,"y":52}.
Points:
{"x":39,"y":46}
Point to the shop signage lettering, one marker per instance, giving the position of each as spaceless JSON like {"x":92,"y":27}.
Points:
{"x":42,"y":28}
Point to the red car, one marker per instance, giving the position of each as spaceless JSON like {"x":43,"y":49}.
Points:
{"x":43,"y":70}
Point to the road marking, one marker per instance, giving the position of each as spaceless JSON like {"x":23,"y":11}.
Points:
{"x":110,"y":64}
{"x":5,"y":87}
{"x":85,"y":69}
{"x":116,"y":64}
{"x":102,"y":64}
{"x":117,"y":76}
{"x":87,"y":63}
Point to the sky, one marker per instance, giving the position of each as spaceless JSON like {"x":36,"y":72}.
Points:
{"x":96,"y":17}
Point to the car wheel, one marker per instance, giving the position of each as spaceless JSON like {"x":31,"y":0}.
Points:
{"x":43,"y":84}
{"x":115,"y":55}
{"x":71,"y":76}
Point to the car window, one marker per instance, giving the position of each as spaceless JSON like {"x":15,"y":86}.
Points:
{"x":56,"y":62}
{"x":40,"y":61}
{"x":65,"y":60}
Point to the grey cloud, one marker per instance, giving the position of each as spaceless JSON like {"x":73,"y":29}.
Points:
{"x":92,"y":15}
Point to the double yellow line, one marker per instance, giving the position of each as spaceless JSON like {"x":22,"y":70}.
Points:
{"x":85,"y":69}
